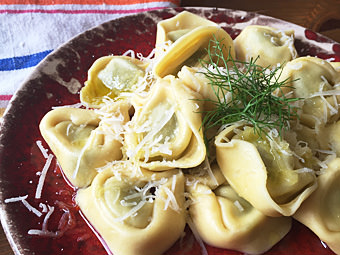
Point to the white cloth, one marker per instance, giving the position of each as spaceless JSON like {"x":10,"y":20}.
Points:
{"x":28,"y":32}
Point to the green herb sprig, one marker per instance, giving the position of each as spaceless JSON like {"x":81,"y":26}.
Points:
{"x":246,"y":92}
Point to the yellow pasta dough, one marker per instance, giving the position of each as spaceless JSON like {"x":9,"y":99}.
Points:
{"x":146,"y":211}
{"x":336,"y":65}
{"x":263,"y":172}
{"x":174,"y":28}
{"x":313,"y":80}
{"x":207,"y":174}
{"x":109,"y":76}
{"x":332,"y":137}
{"x":142,"y":162}
{"x":165,"y":130}
{"x":196,"y":80}
{"x":321,"y":211}
{"x":77,"y":138}
{"x":189,"y":41}
{"x":271,"y":45}
{"x":224,"y":219}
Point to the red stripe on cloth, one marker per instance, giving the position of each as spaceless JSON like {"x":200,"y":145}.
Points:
{"x":87,"y":2}
{"x":79,"y":11}
{"x":5,"y":97}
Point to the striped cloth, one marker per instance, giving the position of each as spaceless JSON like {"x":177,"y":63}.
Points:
{"x":31,"y":29}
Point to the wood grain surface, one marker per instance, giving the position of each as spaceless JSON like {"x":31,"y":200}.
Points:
{"x":320,"y":16}
{"x":5,"y":248}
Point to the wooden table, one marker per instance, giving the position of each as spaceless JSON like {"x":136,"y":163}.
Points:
{"x":320,"y":16}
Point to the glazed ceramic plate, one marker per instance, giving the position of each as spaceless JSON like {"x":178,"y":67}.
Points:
{"x":56,"y":82}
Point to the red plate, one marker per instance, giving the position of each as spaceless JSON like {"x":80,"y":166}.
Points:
{"x":55,"y":82}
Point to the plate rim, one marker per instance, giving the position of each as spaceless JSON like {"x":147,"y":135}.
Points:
{"x":14,"y":103}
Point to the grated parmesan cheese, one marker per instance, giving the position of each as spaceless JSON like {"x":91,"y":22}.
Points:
{"x":304,"y":170}
{"x":69,"y":126}
{"x":43,"y":176}
{"x":171,"y":200}
{"x":25,"y":203}
{"x":326,"y":93}
{"x":44,"y":231}
{"x":173,"y":184}
{"x":324,"y":244}
{"x":145,"y":143}
{"x":15,"y":199}
{"x":129,"y":52}
{"x":43,"y":207}
{"x":331,"y":155}
{"x":132,"y":212}
{"x":44,"y":151}
{"x":191,"y":182}
{"x":238,"y":206}
{"x":210,"y":172}
{"x":148,"y":57}
{"x":143,"y":196}
{"x":47,"y":216}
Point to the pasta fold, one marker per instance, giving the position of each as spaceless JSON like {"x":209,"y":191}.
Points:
{"x":206,"y":173}
{"x":320,"y":212}
{"x":165,"y":131}
{"x":81,"y":142}
{"x":109,"y":76}
{"x":336,"y":66}
{"x":174,"y":28}
{"x":225,"y":220}
{"x":189,"y":37}
{"x":271,"y":45}
{"x":135,"y":210}
{"x":314,"y":81}
{"x":194,"y":79}
{"x":262,"y":171}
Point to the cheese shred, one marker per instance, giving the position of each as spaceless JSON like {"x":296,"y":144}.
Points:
{"x":25,"y":203}
{"x":43,"y":176}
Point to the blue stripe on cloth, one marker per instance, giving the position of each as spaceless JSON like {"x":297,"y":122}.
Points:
{"x":16,"y":63}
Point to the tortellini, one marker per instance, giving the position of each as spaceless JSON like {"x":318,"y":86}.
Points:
{"x":271,"y":45}
{"x":197,"y":81}
{"x":135,"y":210}
{"x":174,"y":28}
{"x":109,"y":76}
{"x":188,"y":42}
{"x":336,"y":66}
{"x":314,"y":81}
{"x":165,"y":131}
{"x":143,"y":162}
{"x":321,"y":211}
{"x":77,"y":139}
{"x":208,"y":174}
{"x":224,"y":219}
{"x":332,"y":138}
{"x":266,"y":177}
